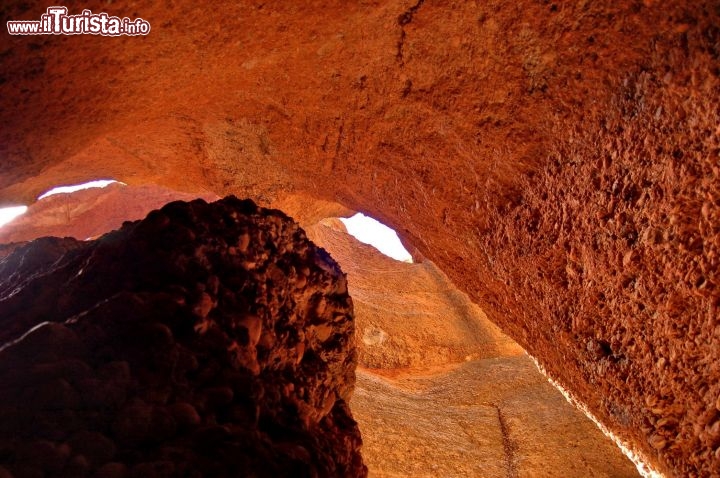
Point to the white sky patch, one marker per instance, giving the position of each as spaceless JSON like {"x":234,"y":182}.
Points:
{"x":7,"y":214}
{"x":100,"y":183}
{"x":368,"y":230}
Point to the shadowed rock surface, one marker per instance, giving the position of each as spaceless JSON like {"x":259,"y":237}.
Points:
{"x":559,"y":161}
{"x":205,"y":340}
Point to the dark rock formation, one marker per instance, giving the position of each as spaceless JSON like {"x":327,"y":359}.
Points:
{"x":205,"y":340}
{"x":557,"y":160}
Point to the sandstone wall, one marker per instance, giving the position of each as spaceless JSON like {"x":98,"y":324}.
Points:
{"x":205,"y":340}
{"x":558,"y":161}
{"x":437,"y":381}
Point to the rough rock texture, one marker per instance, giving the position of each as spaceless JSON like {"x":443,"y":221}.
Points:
{"x":412,"y":325}
{"x":438,"y":381}
{"x":488,"y":418}
{"x":205,"y":340}
{"x":408,"y":315}
{"x":89,"y":213}
{"x":558,"y":161}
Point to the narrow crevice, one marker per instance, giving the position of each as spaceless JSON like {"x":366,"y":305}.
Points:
{"x":338,"y":144}
{"x":405,"y":19}
{"x":509,"y":446}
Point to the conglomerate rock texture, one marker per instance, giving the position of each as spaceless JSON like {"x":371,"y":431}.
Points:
{"x":558,"y":161}
{"x":436,"y":380}
{"x":205,"y":340}
{"x":442,"y":392}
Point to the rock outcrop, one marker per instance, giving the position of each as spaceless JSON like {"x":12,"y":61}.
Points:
{"x":438,"y":381}
{"x":557,"y":160}
{"x":409,"y":316}
{"x":89,"y":213}
{"x":206,"y":340}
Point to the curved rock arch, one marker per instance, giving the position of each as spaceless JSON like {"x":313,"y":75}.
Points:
{"x":559,"y":162}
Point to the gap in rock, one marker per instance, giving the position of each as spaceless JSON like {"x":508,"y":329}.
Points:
{"x":433,"y":371}
{"x":371,"y":231}
{"x":98,"y":183}
{"x":88,"y":210}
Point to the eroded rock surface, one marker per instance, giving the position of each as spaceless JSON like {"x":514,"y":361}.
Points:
{"x":489,"y":418}
{"x":205,"y":340}
{"x":89,"y":213}
{"x":409,"y":315}
{"x":442,"y":392}
{"x":557,"y":160}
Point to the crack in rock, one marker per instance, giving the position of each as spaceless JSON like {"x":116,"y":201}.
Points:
{"x":405,"y":19}
{"x":509,"y":446}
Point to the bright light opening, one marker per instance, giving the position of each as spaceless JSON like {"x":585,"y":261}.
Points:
{"x":7,"y":214}
{"x":368,"y":230}
{"x":100,"y":183}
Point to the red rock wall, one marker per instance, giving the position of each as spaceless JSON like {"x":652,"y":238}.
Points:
{"x":205,"y":340}
{"x":617,"y":240}
{"x":437,"y":380}
{"x":90,"y":213}
{"x":559,"y":161}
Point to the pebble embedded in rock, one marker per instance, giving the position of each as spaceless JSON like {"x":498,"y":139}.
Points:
{"x":185,"y":414}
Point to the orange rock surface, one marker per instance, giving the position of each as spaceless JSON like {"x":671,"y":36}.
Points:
{"x":409,"y":315}
{"x":89,"y":213}
{"x":559,"y":162}
{"x":442,"y":392}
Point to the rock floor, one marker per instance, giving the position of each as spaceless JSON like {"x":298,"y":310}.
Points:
{"x":488,"y":418}
{"x":442,"y":392}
